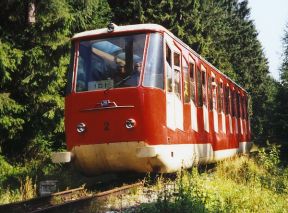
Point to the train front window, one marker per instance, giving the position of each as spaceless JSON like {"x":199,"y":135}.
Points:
{"x":110,"y":62}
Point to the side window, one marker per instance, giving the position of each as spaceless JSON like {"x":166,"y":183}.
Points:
{"x":186,"y":81}
{"x":204,"y":91}
{"x":220,"y":97}
{"x":168,"y":55}
{"x":199,"y":89}
{"x":214,"y":94}
{"x":233,"y":103}
{"x":243,"y":107}
{"x":192,"y":80}
{"x":177,"y":59}
{"x":154,"y":66}
{"x":210,"y":102}
{"x":246,"y":107}
{"x":177,"y":75}
{"x":168,"y":68}
{"x":230,"y":101}
{"x":239,"y":104}
{"x":227,"y":100}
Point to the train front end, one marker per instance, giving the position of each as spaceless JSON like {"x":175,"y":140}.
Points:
{"x":107,"y":120}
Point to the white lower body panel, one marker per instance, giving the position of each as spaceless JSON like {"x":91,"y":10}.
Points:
{"x":140,"y":157}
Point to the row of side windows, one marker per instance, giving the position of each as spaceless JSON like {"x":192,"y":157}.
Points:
{"x":210,"y":93}
{"x":220,"y":98}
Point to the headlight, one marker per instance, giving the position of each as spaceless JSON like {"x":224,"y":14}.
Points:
{"x":81,"y":128}
{"x":130,"y":123}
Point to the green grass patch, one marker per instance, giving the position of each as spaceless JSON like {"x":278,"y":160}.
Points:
{"x":241,"y":184}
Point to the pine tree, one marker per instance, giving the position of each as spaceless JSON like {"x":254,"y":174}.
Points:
{"x":34,"y":59}
{"x":282,"y":109}
{"x":249,"y":63}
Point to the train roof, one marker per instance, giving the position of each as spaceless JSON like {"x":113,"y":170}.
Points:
{"x":119,"y":29}
{"x":147,"y":28}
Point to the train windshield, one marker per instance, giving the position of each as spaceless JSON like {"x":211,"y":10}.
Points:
{"x":110,"y":62}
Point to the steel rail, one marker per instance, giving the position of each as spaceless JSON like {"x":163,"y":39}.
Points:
{"x":86,"y":201}
{"x":61,"y":201}
{"x":34,"y":203}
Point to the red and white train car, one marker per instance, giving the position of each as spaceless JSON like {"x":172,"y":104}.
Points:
{"x":139,"y":99}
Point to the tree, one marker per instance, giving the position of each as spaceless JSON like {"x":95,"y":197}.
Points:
{"x":34,"y":58}
{"x":249,"y":63}
{"x":282,"y":108}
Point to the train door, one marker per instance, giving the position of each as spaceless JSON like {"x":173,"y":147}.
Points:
{"x":192,"y":93}
{"x":205,"y":105}
{"x":174,"y":106}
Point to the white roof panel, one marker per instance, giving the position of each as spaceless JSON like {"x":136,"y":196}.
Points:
{"x":117,"y":29}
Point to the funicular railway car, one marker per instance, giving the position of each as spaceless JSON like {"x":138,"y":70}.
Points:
{"x":141,"y":100}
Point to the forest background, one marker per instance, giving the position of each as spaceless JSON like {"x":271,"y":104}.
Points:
{"x":34,"y":59}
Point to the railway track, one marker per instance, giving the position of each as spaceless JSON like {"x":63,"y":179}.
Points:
{"x":74,"y":200}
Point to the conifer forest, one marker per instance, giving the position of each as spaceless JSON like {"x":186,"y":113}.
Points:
{"x":35,"y":56}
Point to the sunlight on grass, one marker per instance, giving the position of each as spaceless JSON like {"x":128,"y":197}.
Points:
{"x":240,"y":184}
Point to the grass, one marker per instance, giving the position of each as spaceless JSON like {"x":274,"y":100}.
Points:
{"x":20,"y":181}
{"x":241,"y":184}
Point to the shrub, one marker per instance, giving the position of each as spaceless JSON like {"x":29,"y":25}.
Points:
{"x":269,"y":158}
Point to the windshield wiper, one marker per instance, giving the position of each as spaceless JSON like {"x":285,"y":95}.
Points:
{"x":119,"y":82}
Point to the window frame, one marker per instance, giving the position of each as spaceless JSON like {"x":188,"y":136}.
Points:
{"x":199,"y":100}
{"x":192,"y":84}
{"x":227,"y":99}
{"x":167,"y":87}
{"x":146,"y":82}
{"x":186,"y":80}
{"x":209,"y":91}
{"x":177,"y":69}
{"x":220,"y":95}
{"x":214,"y":89}
{"x":204,"y":85}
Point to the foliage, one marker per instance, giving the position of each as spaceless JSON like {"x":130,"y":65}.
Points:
{"x":27,"y":189}
{"x":269,"y":157}
{"x":19,"y":181}
{"x":241,"y":184}
{"x":9,"y":196}
{"x":282,"y":96}
{"x":34,"y":60}
{"x":35,"y":57}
